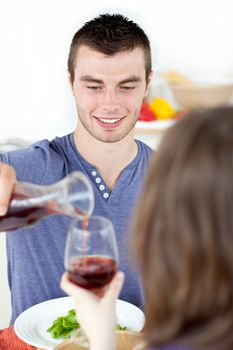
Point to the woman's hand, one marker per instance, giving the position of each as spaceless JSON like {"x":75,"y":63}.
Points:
{"x":96,"y":314}
{"x":7,"y":182}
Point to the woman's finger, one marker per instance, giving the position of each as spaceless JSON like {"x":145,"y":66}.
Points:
{"x":115,"y":286}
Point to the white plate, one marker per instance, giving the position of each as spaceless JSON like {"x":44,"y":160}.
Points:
{"x":31,"y":325}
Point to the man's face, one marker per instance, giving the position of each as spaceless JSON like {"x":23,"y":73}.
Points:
{"x":109,"y":92}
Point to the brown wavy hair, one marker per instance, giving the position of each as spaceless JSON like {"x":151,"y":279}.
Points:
{"x":183,"y":234}
{"x":110,"y":35}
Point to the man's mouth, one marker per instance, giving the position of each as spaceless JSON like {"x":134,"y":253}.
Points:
{"x":109,"y":122}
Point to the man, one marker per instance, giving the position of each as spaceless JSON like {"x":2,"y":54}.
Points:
{"x":109,"y":72}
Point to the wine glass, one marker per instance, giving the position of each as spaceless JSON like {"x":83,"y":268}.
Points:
{"x":91,"y":254}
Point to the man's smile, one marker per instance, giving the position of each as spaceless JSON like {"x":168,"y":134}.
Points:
{"x":109,"y":122}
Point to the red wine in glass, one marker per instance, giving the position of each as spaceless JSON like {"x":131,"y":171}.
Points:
{"x":92,"y":272}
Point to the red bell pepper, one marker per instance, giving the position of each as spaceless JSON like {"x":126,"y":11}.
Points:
{"x":146,"y":114}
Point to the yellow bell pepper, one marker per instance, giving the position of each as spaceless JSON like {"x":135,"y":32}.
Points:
{"x":161,"y":108}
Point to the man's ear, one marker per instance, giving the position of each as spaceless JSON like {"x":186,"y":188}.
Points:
{"x":148,"y":83}
{"x":70,"y":80}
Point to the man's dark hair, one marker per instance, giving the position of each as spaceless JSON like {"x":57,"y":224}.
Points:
{"x":110,"y":34}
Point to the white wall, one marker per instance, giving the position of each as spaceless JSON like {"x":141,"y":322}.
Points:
{"x":193,"y":36}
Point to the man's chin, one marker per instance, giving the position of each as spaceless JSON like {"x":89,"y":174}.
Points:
{"x":111,"y":136}
{"x":110,"y":139}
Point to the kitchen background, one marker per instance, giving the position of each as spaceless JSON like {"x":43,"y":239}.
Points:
{"x":193,"y":37}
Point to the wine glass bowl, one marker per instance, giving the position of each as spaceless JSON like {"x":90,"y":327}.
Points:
{"x":91,"y":254}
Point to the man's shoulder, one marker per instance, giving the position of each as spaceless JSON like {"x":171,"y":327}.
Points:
{"x":37,"y":151}
{"x":145,"y":146}
{"x":40,"y":149}
{"x":31,"y":163}
{"x":146,"y":151}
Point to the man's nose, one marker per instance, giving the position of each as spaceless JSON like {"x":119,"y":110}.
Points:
{"x":109,"y":97}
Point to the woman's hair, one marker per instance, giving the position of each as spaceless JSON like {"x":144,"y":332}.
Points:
{"x":183,"y":234}
{"x":110,"y":35}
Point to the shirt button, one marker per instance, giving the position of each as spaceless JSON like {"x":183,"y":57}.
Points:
{"x":105,"y":195}
{"x":98,"y":180}
{"x":93,"y":173}
{"x":101,"y":187}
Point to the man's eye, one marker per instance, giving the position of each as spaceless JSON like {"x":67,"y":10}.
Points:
{"x":127,"y":87}
{"x":94,"y":87}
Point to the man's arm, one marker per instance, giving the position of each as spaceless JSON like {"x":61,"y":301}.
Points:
{"x":7,"y":182}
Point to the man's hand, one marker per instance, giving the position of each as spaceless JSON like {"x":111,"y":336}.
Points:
{"x":7,"y":182}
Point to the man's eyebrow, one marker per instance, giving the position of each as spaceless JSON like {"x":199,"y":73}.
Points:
{"x":90,"y":79}
{"x":132,"y":79}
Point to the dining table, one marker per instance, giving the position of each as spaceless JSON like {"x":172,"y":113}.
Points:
{"x":10,"y":341}
{"x":124,"y":341}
